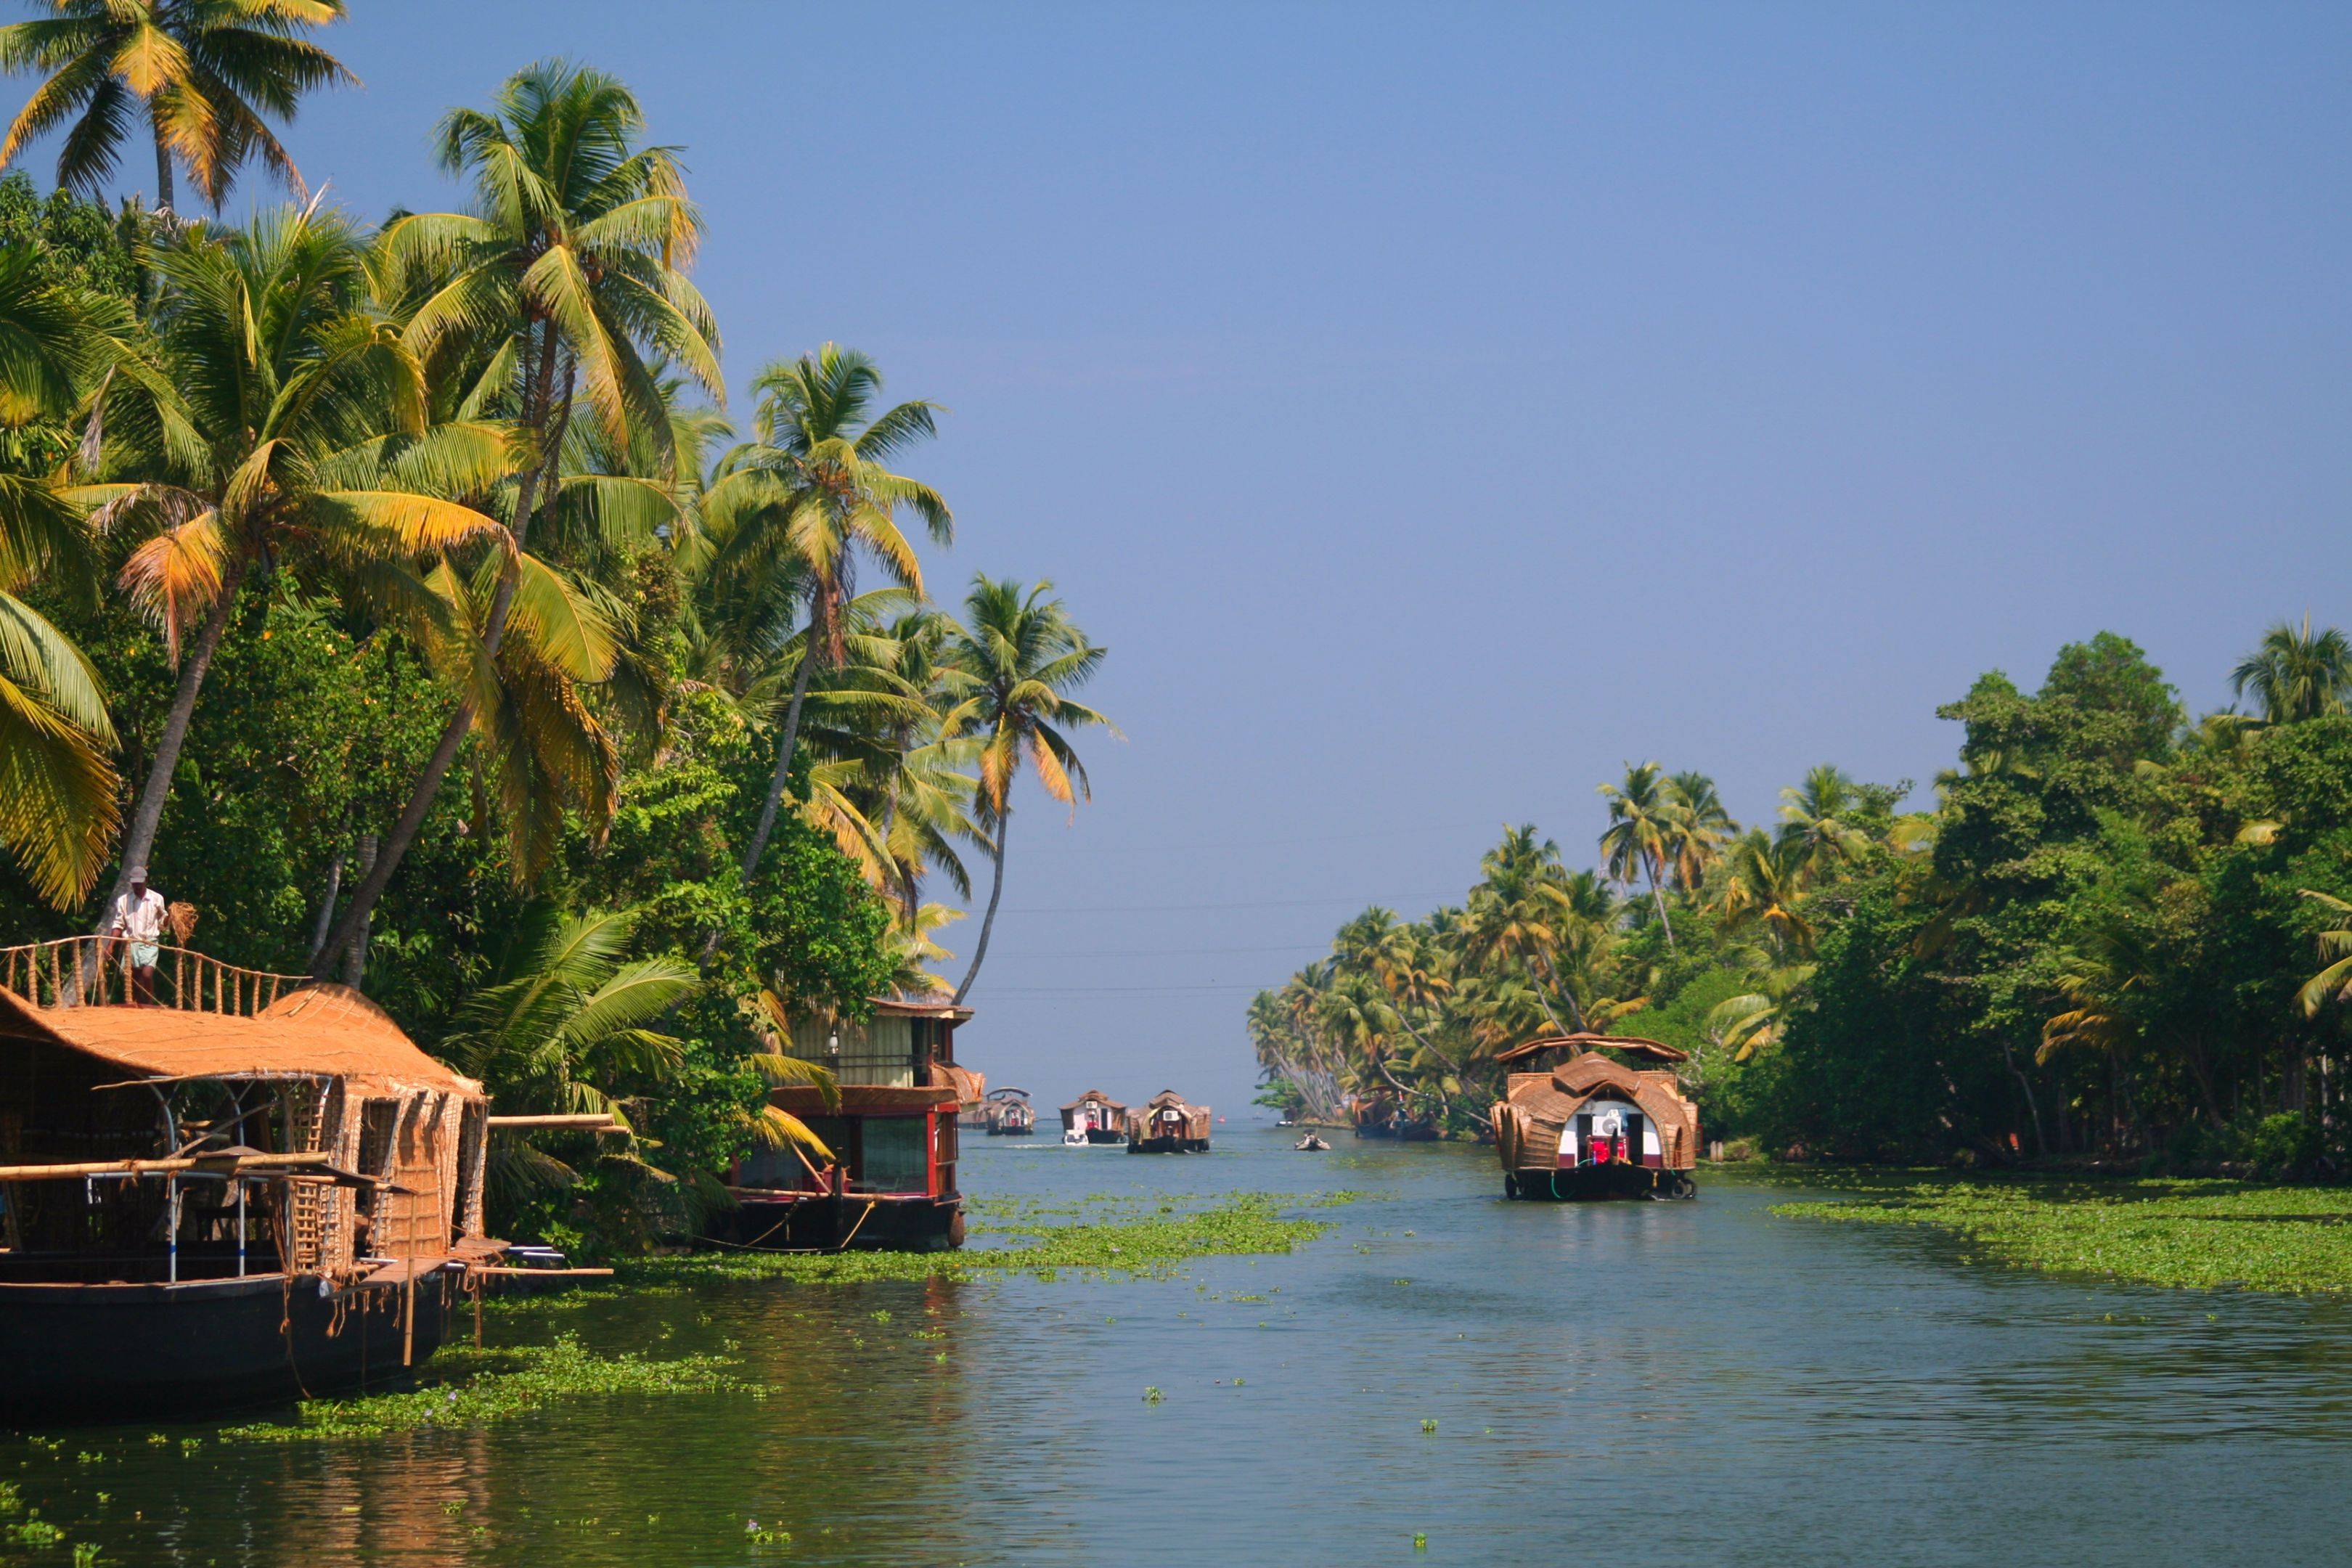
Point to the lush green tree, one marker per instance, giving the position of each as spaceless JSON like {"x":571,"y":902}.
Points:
{"x":1644,"y":819}
{"x":2296,"y":673}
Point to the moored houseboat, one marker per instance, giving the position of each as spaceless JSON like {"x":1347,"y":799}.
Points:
{"x":1095,"y":1118}
{"x":890,"y":1125}
{"x":1010,"y":1114}
{"x":1578,"y":1122}
{"x":231,"y":1187}
{"x":1167,"y":1125}
{"x":1378,"y":1116}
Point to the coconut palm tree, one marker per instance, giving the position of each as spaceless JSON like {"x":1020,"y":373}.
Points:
{"x":1753,"y":1020}
{"x":1820,"y":822}
{"x":1696,"y":829}
{"x":206,"y":72}
{"x":1023,"y":655}
{"x":2297,"y":674}
{"x":299,"y":430}
{"x":1522,"y":910}
{"x":791,"y":511}
{"x":565,"y":284}
{"x":1760,"y":887}
{"x":59,"y":812}
{"x":1644,"y":818}
{"x":2335,"y":981}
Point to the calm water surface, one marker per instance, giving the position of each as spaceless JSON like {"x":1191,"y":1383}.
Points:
{"x":1627,"y":1384}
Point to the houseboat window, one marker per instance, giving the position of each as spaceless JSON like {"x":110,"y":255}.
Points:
{"x":781,"y":1168}
{"x":897,"y":1155}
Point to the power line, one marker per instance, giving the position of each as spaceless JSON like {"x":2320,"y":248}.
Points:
{"x":1182,"y":909}
{"x":1163,"y":952}
{"x":1416,"y":831}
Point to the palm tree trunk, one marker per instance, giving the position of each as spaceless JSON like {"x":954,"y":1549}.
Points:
{"x":995,"y":892}
{"x":327,"y":907}
{"x":147,"y":817}
{"x":1527,"y":966}
{"x":163,"y":170}
{"x":1658,"y":898}
{"x":396,"y":843}
{"x":355,"y":954}
{"x":766,"y":826}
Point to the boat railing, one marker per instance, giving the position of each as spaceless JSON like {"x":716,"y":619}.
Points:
{"x":96,"y":972}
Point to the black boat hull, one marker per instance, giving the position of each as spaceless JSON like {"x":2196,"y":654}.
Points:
{"x":96,"y":1352}
{"x":1168,"y":1146}
{"x":1588,"y":1183}
{"x":821,"y":1223}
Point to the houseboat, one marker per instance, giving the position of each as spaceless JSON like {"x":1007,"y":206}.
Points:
{"x":890,"y":1125}
{"x":1095,"y":1118}
{"x":1595,"y":1116}
{"x":1010,"y":1114}
{"x":1167,"y":1125}
{"x":227,"y":1188}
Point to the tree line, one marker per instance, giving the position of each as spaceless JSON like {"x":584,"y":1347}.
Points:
{"x":2117,"y":936}
{"x":404,"y":595}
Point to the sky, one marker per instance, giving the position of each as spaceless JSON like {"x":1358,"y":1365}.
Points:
{"x":1435,"y":409}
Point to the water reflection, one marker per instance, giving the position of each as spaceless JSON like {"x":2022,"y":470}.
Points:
{"x":1770,"y":1390}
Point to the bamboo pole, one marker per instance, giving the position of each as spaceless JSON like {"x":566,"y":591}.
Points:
{"x":163,"y":1167}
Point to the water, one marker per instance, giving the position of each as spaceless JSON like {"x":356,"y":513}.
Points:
{"x":1627,"y":1384}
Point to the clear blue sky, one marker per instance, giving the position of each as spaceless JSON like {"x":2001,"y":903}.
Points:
{"x":1436,"y":408}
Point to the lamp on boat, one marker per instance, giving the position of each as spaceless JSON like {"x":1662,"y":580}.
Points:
{"x":832,"y":1043}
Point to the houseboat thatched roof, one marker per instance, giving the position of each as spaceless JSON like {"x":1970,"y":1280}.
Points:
{"x":947,"y":1011}
{"x":970,"y":1086}
{"x":322,"y":1031}
{"x":1093,"y":1096}
{"x":1529,"y":1123}
{"x":1586,"y":1040}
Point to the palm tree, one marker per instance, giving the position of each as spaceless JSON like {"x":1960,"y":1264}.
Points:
{"x":563,"y":283}
{"x":1760,"y":887}
{"x":2297,"y":674}
{"x":1522,"y":910}
{"x":1697,"y":828}
{"x":798,"y":506}
{"x":1752,"y":1021}
{"x":1642,"y":821}
{"x":1819,"y":823}
{"x":2335,"y":981}
{"x":59,"y":812}
{"x":206,"y":71}
{"x":297,"y":429}
{"x":1023,"y":655}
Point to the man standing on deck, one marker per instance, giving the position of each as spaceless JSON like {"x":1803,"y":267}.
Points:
{"x":138,"y":920}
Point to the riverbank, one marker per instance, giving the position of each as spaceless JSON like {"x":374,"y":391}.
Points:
{"x":2193,"y":1235}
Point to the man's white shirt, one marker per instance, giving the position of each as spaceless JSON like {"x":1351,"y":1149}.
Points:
{"x":139,"y":919}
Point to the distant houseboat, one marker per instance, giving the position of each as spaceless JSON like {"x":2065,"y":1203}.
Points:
{"x":243,"y":1188}
{"x":1577,"y":1123}
{"x":1096,"y":1117}
{"x":1010,"y":1114}
{"x":1167,"y":1125}
{"x":892,"y":1181}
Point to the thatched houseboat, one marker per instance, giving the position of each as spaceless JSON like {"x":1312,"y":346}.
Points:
{"x":235,"y":1186}
{"x":1579,"y":1121}
{"x":891,"y":1126}
{"x":1167,"y":1125}
{"x":1010,"y":1114}
{"x":1096,"y":1117}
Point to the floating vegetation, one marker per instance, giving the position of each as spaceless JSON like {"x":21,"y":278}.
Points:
{"x":2203,"y":1234}
{"x":506,"y":1382}
{"x":1151,"y":1236}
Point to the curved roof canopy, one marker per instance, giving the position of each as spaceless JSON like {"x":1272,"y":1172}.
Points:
{"x":320,"y":1031}
{"x":1586,"y":1040}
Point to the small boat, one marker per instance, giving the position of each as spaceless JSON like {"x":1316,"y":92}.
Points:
{"x":1578,"y":1122}
{"x":1074,"y":1139}
{"x":1311,"y":1144}
{"x":1167,"y":1125}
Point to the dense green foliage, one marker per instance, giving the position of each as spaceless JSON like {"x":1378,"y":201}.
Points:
{"x":2100,"y":942}
{"x":390,"y":596}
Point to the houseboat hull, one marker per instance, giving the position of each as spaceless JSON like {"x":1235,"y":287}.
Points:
{"x":999,"y":1130}
{"x":94,"y":1352}
{"x":1168,"y":1146}
{"x":1585,"y":1183}
{"x":820,"y":1222}
{"x":1104,"y":1135}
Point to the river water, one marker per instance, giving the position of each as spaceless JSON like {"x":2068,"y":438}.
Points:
{"x":1625,"y":1384}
